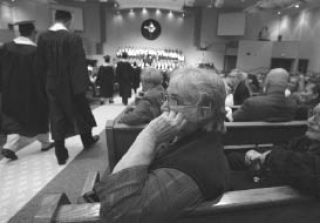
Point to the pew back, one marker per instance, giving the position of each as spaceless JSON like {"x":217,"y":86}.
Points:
{"x":269,"y":205}
{"x":120,"y":136}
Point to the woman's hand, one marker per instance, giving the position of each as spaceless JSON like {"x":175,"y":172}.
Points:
{"x":165,"y":127}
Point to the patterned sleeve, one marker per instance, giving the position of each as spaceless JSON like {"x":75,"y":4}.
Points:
{"x":134,"y":194}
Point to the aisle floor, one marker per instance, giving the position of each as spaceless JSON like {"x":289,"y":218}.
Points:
{"x":22,"y":179}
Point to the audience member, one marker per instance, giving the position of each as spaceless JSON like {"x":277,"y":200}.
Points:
{"x":239,"y":85}
{"x":253,"y":84}
{"x":177,"y":161}
{"x":273,"y":106}
{"x":136,"y":77}
{"x":124,"y":74}
{"x":105,"y":80}
{"x":148,"y":104}
{"x":63,"y":66}
{"x":307,"y":99}
{"x":24,"y":105}
{"x":296,"y":164}
{"x":229,"y":96}
{"x":92,"y":72}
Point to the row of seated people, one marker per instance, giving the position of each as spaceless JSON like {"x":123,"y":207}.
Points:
{"x":177,"y":161}
{"x":273,"y":106}
{"x":281,"y":91}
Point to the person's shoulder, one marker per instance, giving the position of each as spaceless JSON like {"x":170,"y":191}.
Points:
{"x":255,"y":100}
{"x":74,"y":36}
{"x":6,"y":45}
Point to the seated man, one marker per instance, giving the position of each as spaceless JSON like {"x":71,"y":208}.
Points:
{"x":273,"y":106}
{"x":240,"y":86}
{"x":148,"y":105}
{"x":307,"y":100}
{"x":177,"y":161}
{"x":296,"y":164}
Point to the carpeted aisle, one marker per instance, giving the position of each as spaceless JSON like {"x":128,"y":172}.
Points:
{"x":25,"y":181}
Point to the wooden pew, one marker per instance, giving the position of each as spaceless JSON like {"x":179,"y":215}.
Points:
{"x":269,"y":205}
{"x":275,"y":204}
{"x":235,"y":107}
{"x":239,"y":135}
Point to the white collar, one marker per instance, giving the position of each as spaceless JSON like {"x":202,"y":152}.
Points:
{"x":58,"y":26}
{"x":24,"y":41}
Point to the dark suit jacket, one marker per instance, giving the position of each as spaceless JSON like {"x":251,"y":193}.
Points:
{"x":241,"y":93}
{"x":296,"y":164}
{"x":271,"y":107}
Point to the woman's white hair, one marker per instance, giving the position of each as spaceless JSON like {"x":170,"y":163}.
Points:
{"x":205,"y":85}
{"x":151,"y":75}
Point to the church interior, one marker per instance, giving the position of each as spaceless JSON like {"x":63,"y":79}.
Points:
{"x":254,"y":36}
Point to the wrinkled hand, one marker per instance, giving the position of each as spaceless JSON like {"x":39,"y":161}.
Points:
{"x":252,"y":157}
{"x":165,"y":127}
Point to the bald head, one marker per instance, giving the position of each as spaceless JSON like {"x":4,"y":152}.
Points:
{"x":277,"y":80}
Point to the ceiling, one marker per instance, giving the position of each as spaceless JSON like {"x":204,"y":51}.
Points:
{"x":179,"y":5}
{"x":236,"y":4}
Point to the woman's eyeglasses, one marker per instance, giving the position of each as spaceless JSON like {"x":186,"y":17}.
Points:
{"x":174,"y":102}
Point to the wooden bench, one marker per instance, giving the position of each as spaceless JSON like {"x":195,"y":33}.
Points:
{"x":275,"y":204}
{"x":269,"y":205}
{"x":239,"y":135}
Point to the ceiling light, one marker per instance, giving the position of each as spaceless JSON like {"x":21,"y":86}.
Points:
{"x":297,"y":5}
{"x":279,"y":13}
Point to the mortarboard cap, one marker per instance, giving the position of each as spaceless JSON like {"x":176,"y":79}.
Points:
{"x":26,"y":26}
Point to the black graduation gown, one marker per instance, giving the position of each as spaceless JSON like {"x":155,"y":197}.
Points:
{"x":136,"y":77}
{"x":63,"y":63}
{"x":24,"y":104}
{"x":124,"y":73}
{"x":105,"y":80}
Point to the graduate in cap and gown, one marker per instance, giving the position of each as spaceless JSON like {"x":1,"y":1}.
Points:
{"x":24,"y":105}
{"x":64,"y":68}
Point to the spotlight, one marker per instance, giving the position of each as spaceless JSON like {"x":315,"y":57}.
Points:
{"x":279,"y":13}
{"x":297,"y":5}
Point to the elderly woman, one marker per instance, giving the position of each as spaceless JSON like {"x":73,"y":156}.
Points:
{"x":177,"y":161}
{"x":296,"y":164}
{"x":148,"y":104}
